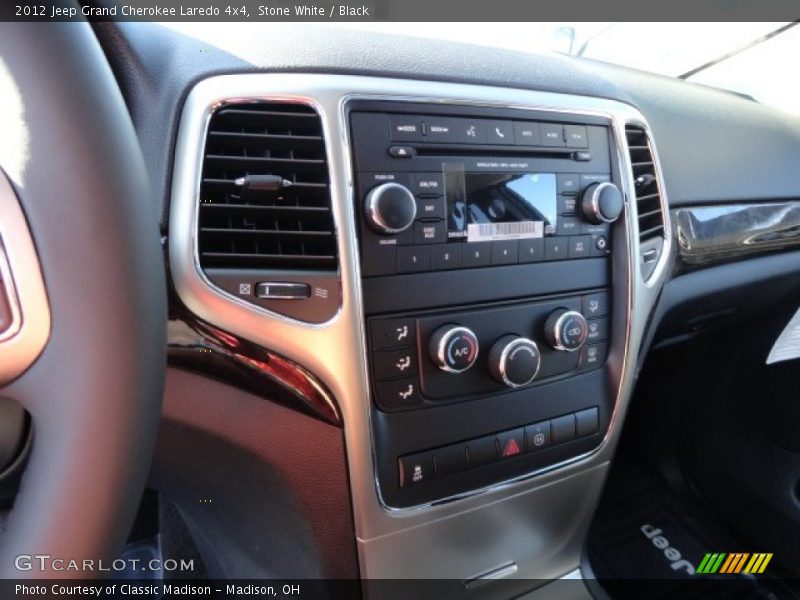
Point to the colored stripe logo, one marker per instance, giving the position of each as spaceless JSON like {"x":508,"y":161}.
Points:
{"x":734,"y":562}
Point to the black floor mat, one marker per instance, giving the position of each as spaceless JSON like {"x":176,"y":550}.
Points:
{"x":646,"y":542}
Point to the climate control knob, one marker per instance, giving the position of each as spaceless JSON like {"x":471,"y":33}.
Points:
{"x":601,"y":203}
{"x":565,"y":330}
{"x":453,"y":348}
{"x":514,"y":360}
{"x":390,"y":208}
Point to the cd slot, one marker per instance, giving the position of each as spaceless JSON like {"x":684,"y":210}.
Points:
{"x":450,"y":151}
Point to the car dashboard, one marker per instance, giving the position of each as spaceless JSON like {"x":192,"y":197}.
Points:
{"x":445,"y":266}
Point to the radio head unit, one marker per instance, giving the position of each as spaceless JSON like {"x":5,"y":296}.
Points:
{"x":439,"y":192}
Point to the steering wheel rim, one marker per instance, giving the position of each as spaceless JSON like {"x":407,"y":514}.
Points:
{"x":94,"y":393}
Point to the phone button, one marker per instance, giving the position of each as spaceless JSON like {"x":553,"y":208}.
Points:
{"x":500,"y":132}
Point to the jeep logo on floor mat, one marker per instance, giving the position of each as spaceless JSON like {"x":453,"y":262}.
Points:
{"x":672,"y":554}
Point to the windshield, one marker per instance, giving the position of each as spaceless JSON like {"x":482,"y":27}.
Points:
{"x":747,"y":58}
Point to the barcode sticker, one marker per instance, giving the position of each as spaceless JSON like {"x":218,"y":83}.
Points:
{"x":484,"y":232}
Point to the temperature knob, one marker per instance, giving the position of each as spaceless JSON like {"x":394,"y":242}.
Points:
{"x":601,"y":203}
{"x":390,"y":208}
{"x":514,"y":360}
{"x":565,"y":330}
{"x":453,"y":348}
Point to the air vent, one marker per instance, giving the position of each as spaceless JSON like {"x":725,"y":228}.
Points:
{"x":649,"y":200}
{"x":264,"y":197}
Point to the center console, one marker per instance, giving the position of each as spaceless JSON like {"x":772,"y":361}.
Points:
{"x":481,"y":345}
{"x":484,"y":237}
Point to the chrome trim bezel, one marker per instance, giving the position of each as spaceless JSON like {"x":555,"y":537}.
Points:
{"x":339,"y":356}
{"x":23,"y":342}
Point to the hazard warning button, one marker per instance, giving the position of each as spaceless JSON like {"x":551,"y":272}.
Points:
{"x":511,"y":443}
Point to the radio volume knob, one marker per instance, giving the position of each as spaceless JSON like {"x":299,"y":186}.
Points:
{"x":565,"y":330}
{"x":601,"y":203}
{"x":514,"y":360}
{"x":390,"y":208}
{"x":453,"y":348}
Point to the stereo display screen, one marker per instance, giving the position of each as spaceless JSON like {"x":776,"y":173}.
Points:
{"x":498,"y":206}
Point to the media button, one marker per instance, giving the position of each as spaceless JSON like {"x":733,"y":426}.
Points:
{"x":504,"y":252}
{"x":430,"y":232}
{"x":413,"y":259}
{"x":401,"y":151}
{"x":526,"y":133}
{"x":568,"y":226}
{"x":476,"y":254}
{"x":405,"y":128}
{"x":567,"y":205}
{"x":499,"y":132}
{"x":430,"y":208}
{"x":580,"y":246}
{"x":568,"y":183}
{"x":552,"y":135}
{"x":445,"y":256}
{"x":531,"y":250}
{"x":556,"y":248}
{"x":470,"y":131}
{"x":442,"y":130}
{"x":427,"y":183}
{"x":576,"y":136}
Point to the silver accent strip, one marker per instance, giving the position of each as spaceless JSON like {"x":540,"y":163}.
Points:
{"x":498,"y":573}
{"x":21,"y":344}
{"x":538,"y":520}
{"x":283,"y":290}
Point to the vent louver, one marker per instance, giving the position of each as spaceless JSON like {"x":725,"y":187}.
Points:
{"x":264,"y":196}
{"x":648,"y":194}
{"x":649,"y":199}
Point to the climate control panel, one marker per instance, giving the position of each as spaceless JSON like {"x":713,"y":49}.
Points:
{"x":430,"y":358}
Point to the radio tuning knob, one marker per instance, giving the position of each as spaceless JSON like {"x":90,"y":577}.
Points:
{"x":390,"y":208}
{"x":601,"y":203}
{"x":453,"y":348}
{"x":565,"y":330}
{"x":514,"y":361}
